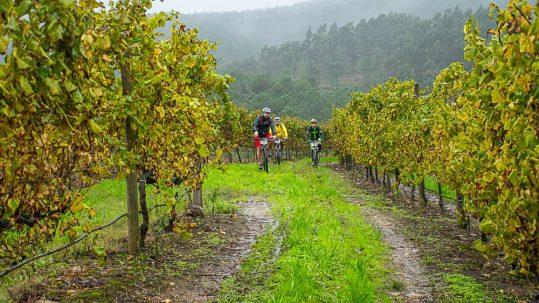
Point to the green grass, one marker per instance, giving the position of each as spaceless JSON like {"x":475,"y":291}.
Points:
{"x":108,"y":198}
{"x":329,"y":159}
{"x":465,"y":289}
{"x":328,"y":252}
{"x":432,"y":184}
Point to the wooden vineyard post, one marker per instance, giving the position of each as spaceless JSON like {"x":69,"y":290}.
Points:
{"x":132,"y":199}
{"x":421,"y":187}
{"x":421,"y":193}
{"x":196,"y":208}
{"x":462,"y":218}
{"x":238,"y":154}
{"x":197,"y":193}
{"x":440,"y":197}
{"x":144,"y":209}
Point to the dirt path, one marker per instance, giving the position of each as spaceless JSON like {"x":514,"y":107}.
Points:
{"x":184,"y":266}
{"x":428,"y":246}
{"x":204,"y":284}
{"x":404,"y":255}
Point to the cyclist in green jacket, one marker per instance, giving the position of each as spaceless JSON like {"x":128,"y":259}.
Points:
{"x":314,"y":133}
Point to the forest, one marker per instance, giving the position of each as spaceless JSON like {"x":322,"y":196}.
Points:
{"x":247,"y":32}
{"x":307,"y":78}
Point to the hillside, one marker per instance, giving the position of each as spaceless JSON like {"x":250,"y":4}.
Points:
{"x":306,"y":78}
{"x":244,"y":34}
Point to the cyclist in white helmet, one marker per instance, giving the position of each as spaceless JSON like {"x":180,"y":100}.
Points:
{"x":261,"y":127}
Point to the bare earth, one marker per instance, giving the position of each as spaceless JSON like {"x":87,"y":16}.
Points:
{"x":172,"y":269}
{"x":404,"y":254}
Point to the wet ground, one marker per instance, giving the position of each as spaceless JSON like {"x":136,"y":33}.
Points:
{"x":404,"y":254}
{"x":427,"y":244}
{"x":188,"y":265}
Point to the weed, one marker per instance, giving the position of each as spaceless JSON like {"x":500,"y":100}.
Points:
{"x":465,"y":289}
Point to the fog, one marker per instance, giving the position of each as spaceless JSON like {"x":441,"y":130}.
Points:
{"x":244,"y":34}
{"x":199,"y":6}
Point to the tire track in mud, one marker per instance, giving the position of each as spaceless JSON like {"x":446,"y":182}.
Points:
{"x":404,"y":254}
{"x":204,"y":284}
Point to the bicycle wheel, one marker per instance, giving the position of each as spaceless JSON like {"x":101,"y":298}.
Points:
{"x":278,"y":156}
{"x":316,"y":158}
{"x":266,"y":159}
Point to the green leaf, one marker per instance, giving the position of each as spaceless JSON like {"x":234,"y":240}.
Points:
{"x":53,"y":85}
{"x":23,"y":7}
{"x":200,"y":140}
{"x":95,"y":127}
{"x":56,"y":32}
{"x":77,"y":96}
{"x":514,"y":178}
{"x":69,"y":86}
{"x":25,"y":85}
{"x":4,"y":42}
{"x":486,"y":226}
{"x":12,"y":206}
{"x":99,"y":251}
{"x":203,"y":151}
{"x":21,"y":63}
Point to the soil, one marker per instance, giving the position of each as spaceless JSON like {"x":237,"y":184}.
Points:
{"x":187,"y":265}
{"x":404,"y":254}
{"x":428,"y":244}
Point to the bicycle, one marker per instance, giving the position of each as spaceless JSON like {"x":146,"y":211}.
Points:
{"x":315,"y":155}
{"x":264,"y":142}
{"x":278,"y":151}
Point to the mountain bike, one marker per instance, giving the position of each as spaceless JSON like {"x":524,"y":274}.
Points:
{"x":315,"y":155}
{"x":277,"y":151}
{"x":264,"y":142}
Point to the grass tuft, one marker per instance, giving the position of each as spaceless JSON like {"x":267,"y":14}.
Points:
{"x":465,"y":289}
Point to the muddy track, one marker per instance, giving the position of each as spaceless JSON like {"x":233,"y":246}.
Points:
{"x":404,"y":254}
{"x":171,"y":269}
{"x":204,"y":284}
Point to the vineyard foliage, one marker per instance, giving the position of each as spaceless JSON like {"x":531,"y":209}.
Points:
{"x":64,"y":109}
{"x":477,"y":131}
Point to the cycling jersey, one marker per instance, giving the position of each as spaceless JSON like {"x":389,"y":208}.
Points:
{"x":314,"y":133}
{"x":282,"y":132}
{"x":263,"y":125}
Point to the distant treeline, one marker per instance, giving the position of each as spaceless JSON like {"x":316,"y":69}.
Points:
{"x":243,"y":34}
{"x":306,"y":78}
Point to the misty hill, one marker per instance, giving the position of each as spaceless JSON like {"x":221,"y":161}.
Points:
{"x":243,"y":34}
{"x":308,"y":77}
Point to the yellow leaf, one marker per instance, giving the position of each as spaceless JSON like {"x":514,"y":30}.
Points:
{"x":106,"y":58}
{"x":190,"y":62}
{"x":160,"y":112}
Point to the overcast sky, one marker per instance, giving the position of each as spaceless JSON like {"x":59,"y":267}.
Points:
{"x":193,"y":6}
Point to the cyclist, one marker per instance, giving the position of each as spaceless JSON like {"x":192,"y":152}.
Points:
{"x":282,"y":132}
{"x":262,"y":126}
{"x":314,"y":133}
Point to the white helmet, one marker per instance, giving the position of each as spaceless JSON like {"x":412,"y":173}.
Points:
{"x":277,"y":119}
{"x":266,"y":110}
{"x":314,"y":121}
